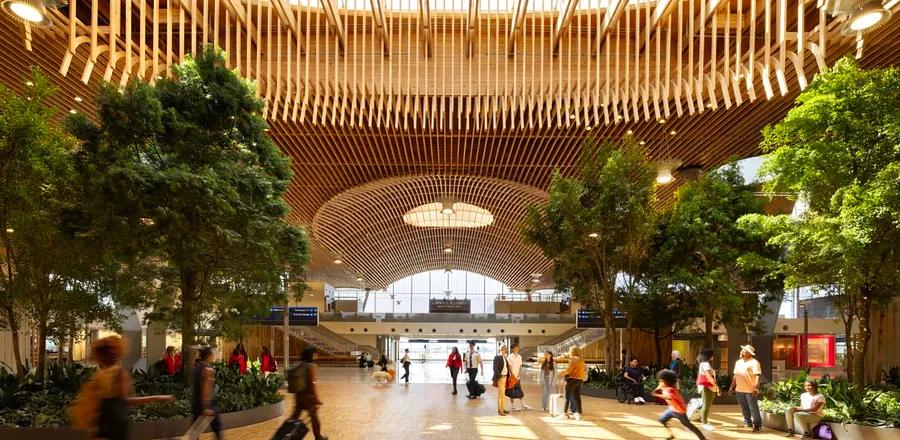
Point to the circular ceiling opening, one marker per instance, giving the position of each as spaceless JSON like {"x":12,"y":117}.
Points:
{"x":448,"y":215}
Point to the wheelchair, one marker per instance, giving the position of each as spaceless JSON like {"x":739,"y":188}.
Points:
{"x":627,"y":391}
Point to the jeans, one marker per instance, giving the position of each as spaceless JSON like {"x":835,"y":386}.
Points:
{"x":708,"y":396}
{"x":546,"y":391}
{"x":802,"y":419}
{"x":668,"y":414}
{"x":749,"y":407}
{"x":573,"y":395}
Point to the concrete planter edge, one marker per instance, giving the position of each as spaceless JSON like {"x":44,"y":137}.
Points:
{"x":150,"y":429}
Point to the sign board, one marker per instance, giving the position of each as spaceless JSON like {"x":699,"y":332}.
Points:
{"x":296,"y":316}
{"x":821,"y":351}
{"x":449,"y":306}
{"x":586,"y":318}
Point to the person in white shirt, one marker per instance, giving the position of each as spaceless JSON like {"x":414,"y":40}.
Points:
{"x":472,"y":361}
{"x":745,"y":385}
{"x":809,"y":413}
{"x":515,"y":368}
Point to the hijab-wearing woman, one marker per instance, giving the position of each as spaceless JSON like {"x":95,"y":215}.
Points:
{"x":548,"y":376}
{"x":454,"y":363}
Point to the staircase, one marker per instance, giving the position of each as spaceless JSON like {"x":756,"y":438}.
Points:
{"x":327,"y":341}
{"x":580,"y":338}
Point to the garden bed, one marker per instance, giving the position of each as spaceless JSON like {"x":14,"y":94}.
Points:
{"x":151,"y":429}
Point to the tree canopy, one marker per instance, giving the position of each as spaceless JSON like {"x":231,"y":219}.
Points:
{"x":188,"y":189}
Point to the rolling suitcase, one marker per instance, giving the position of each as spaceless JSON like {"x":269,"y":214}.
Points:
{"x":557,"y":403}
{"x":475,"y":389}
{"x":291,"y":429}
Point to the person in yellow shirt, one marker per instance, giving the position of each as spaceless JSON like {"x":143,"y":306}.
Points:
{"x":575,"y":374}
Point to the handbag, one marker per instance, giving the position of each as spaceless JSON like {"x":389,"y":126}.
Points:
{"x":703,"y":381}
{"x":515,"y":392}
{"x":511,"y":382}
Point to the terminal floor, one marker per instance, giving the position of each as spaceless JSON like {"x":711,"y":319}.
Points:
{"x":354,"y":409}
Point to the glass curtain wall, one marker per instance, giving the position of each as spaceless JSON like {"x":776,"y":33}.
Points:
{"x":412,"y":294}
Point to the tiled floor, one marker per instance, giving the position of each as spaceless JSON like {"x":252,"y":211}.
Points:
{"x":354,"y":409}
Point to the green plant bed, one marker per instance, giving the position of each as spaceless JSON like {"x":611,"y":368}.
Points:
{"x":29,"y":404}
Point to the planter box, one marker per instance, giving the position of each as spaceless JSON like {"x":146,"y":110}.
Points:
{"x":851,"y":431}
{"x":776,"y":422}
{"x":603,"y":393}
{"x":150,"y":429}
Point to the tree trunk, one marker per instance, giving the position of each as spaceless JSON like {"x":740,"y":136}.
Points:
{"x":710,"y":337}
{"x":610,"y":332}
{"x":42,"y":349}
{"x":72,"y":345}
{"x":13,"y":325}
{"x":656,"y":341}
{"x":848,"y":335}
{"x":190,"y":283}
{"x":865,"y":334}
{"x":879,"y":347}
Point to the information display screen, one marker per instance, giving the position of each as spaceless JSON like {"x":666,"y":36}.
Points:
{"x":296,"y":316}
{"x":586,"y":318}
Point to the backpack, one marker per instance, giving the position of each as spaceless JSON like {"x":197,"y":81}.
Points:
{"x":298,"y":378}
{"x":823,"y":431}
{"x":273,"y":365}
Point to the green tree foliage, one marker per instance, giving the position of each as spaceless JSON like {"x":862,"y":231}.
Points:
{"x":701,"y":248}
{"x":839,"y":149}
{"x":46,"y":261}
{"x":596,"y":225}
{"x":188,"y":189}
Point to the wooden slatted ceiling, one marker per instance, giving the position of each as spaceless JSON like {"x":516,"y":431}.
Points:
{"x":387,"y":113}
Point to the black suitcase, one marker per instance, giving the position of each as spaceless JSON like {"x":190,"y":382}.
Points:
{"x":291,"y":429}
{"x":475,"y":389}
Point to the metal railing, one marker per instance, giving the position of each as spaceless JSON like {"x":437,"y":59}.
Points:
{"x":580,"y":339}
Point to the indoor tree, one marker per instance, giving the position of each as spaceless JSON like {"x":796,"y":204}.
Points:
{"x":703,"y":249}
{"x":595,"y":225}
{"x":188,"y":189}
{"x":837,"y":149}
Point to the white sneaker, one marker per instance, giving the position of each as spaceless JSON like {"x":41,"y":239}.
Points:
{"x":561,"y":416}
{"x":642,"y":400}
{"x":577,"y":416}
{"x":637,"y":400}
{"x":709,"y":427}
{"x":526,"y":407}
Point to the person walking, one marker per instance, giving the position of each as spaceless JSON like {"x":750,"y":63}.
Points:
{"x":677,"y":407}
{"x":404,"y":361}
{"x":302,"y":382}
{"x":383,"y":362}
{"x":548,"y":378}
{"x":454,"y":363}
{"x":575,"y":374}
{"x":472,"y":359}
{"x":100,"y":406}
{"x":809,"y":413}
{"x":745,"y":385}
{"x":707,"y":385}
{"x":515,"y":369}
{"x":203,"y":401}
{"x":501,"y":373}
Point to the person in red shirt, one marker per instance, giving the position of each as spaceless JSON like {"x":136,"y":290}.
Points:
{"x":172,"y":360}
{"x":267,"y":362}
{"x":454,"y":363}
{"x":677,"y":408}
{"x":238,"y":359}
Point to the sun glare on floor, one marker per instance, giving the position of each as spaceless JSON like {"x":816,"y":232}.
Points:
{"x":503,"y":428}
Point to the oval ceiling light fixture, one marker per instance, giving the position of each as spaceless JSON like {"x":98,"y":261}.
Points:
{"x":593,"y":235}
{"x":338,"y":261}
{"x":664,"y":171}
{"x":448,"y":214}
{"x":32,"y":12}
{"x":447,"y":249}
{"x":866,"y":17}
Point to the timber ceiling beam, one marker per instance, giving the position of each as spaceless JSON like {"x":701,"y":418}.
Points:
{"x":380,"y":21}
{"x":334,"y":22}
{"x":425,"y":26}
{"x":471,"y":26}
{"x":563,"y":21}
{"x":515,"y":28}
{"x":613,"y":13}
{"x":283,"y":9}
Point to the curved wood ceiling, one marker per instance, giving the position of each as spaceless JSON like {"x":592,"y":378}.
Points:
{"x":393,"y":104}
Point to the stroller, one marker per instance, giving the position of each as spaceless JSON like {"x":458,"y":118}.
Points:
{"x":626,"y":391}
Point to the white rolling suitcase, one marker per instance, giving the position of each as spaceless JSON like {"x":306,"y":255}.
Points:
{"x":557,"y":402}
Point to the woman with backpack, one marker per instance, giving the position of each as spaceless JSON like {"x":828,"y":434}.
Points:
{"x":238,"y":359}
{"x":100,"y":408}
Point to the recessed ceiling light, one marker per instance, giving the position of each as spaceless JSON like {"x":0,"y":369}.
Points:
{"x":78,"y":99}
{"x":537,"y":275}
{"x":709,"y":105}
{"x":448,"y":250}
{"x":593,"y":235}
{"x":572,"y":116}
{"x":673,"y":132}
{"x":588,"y":128}
{"x":338,"y":261}
{"x":642,"y":143}
{"x":662,"y":120}
{"x":664,"y":177}
{"x":10,"y":230}
{"x":535,"y":281}
{"x":29,"y":83}
{"x":73,"y":111}
{"x":448,"y":214}
{"x":629,"y":132}
{"x":359,"y":279}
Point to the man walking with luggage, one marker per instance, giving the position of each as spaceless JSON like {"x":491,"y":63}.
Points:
{"x":501,"y":372}
{"x":301,"y":382}
{"x":473,"y":361}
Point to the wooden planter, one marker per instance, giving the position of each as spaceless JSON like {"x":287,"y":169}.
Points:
{"x":775,"y":421}
{"x":150,"y":429}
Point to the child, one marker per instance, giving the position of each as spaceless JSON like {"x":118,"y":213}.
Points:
{"x":677,"y":408}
